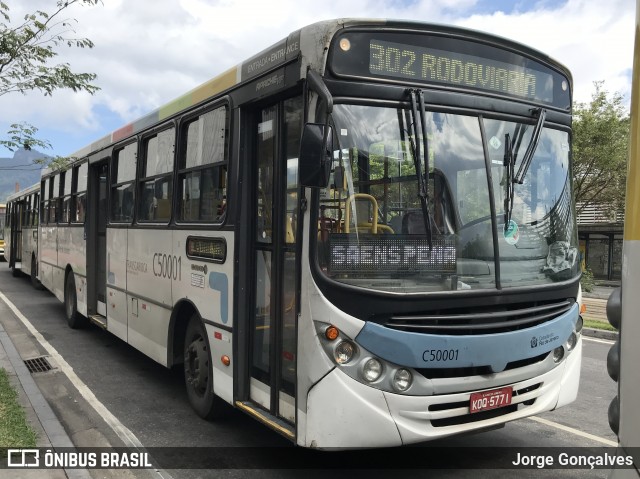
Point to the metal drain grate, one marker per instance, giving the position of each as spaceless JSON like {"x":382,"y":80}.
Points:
{"x":38,"y":365}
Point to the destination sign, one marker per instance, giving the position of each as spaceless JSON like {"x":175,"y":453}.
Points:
{"x":439,"y":66}
{"x":450,"y":62}
{"x":349,"y":253}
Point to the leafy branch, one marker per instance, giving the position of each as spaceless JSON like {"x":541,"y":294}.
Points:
{"x":26,"y":50}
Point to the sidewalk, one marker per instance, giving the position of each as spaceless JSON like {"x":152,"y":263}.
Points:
{"x":48,"y":427}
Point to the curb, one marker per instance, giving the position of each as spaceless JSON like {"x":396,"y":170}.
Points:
{"x":600,"y":333}
{"x":51,"y":425}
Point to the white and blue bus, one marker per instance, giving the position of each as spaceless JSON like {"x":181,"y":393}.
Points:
{"x":362,"y":236}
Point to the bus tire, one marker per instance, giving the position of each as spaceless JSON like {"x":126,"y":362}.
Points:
{"x":74,"y":318}
{"x":198,"y":372}
{"x":35,"y":282}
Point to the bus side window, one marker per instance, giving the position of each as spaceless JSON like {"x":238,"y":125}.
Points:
{"x":202,"y":168}
{"x":156,"y":186}
{"x":122,"y":183}
{"x":78,"y":193}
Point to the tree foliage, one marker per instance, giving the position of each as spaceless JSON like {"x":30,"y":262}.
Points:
{"x":27,"y":51}
{"x":600,"y":150}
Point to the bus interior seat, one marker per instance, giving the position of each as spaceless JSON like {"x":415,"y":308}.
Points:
{"x":163,"y":210}
{"x":396,"y":223}
{"x":413,"y":223}
{"x":442,"y":215}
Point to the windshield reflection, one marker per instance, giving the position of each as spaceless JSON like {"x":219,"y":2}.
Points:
{"x":371,"y":230}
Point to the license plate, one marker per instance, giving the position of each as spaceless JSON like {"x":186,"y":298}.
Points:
{"x":485,"y":400}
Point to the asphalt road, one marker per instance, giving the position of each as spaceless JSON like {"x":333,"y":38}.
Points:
{"x":150,"y":401}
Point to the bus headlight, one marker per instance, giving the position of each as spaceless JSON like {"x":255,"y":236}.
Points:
{"x":367,"y":368}
{"x":344,"y":352}
{"x":402,"y":380}
{"x":372,"y":370}
{"x":558,"y":354}
{"x":571,"y":342}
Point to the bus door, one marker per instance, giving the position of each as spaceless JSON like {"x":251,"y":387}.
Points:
{"x":15,"y":241}
{"x":97,"y":241}
{"x":272,"y":329}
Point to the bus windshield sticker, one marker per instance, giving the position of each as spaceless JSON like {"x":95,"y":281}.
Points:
{"x":511,"y":233}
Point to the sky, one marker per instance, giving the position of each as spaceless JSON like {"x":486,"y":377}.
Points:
{"x":148,"y":52}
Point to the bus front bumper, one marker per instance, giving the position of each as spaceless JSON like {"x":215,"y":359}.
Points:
{"x":344,"y":413}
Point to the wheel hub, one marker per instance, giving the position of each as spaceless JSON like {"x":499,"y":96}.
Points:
{"x":196,"y":364}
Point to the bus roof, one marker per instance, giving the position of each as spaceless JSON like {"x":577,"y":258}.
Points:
{"x":312,"y":41}
{"x":25,"y":191}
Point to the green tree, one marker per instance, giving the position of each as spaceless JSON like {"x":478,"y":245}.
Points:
{"x":27,"y":51}
{"x":600,"y":150}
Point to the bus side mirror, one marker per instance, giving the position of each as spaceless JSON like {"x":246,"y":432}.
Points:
{"x":316,"y":152}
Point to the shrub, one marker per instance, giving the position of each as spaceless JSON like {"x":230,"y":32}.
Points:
{"x":587,"y":280}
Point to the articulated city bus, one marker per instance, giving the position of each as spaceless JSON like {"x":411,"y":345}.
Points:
{"x":362,"y":236}
{"x":624,"y":304}
{"x":21,"y":231}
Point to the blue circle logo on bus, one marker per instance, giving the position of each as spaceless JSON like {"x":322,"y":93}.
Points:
{"x":534,"y":342}
{"x":511,"y":233}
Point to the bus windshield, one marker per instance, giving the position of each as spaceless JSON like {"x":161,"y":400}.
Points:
{"x":373,"y":233}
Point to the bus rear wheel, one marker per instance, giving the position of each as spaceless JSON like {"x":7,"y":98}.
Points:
{"x":198,"y":372}
{"x":74,"y":318}
{"x":35,"y":282}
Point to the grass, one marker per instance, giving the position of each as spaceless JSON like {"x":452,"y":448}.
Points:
{"x":596,"y":324}
{"x":15,"y":431}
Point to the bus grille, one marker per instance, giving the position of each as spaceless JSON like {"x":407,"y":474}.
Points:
{"x":441,"y":373}
{"x":482,"y":320}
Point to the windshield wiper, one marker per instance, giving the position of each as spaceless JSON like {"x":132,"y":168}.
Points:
{"x":531,"y":149}
{"x":423,"y":194}
{"x":509,"y":163}
{"x":511,"y":155}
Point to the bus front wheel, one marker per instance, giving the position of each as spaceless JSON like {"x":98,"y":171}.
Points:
{"x":198,"y":373}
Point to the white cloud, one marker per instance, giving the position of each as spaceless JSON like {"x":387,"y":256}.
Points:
{"x":148,"y":52}
{"x":593,"y":39}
